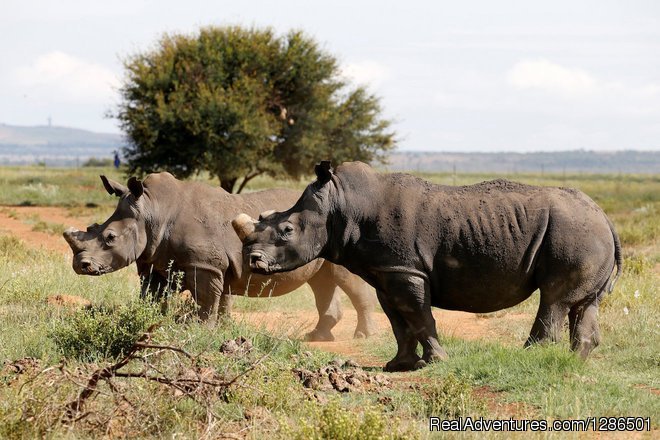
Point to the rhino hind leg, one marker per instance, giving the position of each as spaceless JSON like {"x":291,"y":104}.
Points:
{"x":362,"y":297}
{"x":206,"y":288}
{"x":548,"y":323}
{"x":584,"y":330}
{"x":575,"y":293}
{"x":328,"y":306}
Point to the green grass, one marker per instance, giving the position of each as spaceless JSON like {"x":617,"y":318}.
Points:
{"x":619,"y":379}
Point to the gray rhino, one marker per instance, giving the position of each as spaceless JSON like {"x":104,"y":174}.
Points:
{"x":477,"y":248}
{"x":163,"y":219}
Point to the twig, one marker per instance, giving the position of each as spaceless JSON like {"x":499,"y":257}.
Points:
{"x":164,"y":347}
{"x":173,"y":382}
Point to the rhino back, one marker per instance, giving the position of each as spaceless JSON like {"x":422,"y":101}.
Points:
{"x":475,"y":242}
{"x":195,"y":218}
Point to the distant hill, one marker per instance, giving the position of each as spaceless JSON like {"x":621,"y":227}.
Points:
{"x":578,"y":161}
{"x":63,"y":146}
{"x":59,"y":146}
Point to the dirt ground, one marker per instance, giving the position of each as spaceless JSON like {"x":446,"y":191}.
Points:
{"x":22,"y":230}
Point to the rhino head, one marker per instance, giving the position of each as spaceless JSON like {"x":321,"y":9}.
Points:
{"x":117,"y":242}
{"x":284,"y":241}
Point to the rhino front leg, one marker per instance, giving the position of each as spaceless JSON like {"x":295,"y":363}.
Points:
{"x":206,"y":288}
{"x":410,"y":296}
{"x":406,"y":356}
{"x":152,"y":284}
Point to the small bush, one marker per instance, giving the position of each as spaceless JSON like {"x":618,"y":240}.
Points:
{"x":98,"y":162}
{"x":103,"y":332}
{"x":337,"y":423}
{"x":450,"y":398}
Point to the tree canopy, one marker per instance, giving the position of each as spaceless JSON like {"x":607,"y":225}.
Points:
{"x":242,"y":102}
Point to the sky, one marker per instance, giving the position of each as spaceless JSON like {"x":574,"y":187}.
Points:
{"x":452,"y":75}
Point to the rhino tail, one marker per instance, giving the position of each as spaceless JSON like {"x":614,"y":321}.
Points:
{"x":618,"y":257}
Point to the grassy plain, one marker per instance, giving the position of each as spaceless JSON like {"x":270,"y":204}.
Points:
{"x":489,"y":378}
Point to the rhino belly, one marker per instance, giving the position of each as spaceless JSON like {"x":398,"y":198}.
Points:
{"x":480,"y":288}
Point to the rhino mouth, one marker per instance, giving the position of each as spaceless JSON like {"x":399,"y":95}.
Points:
{"x":88,"y":267}
{"x":261,"y":264}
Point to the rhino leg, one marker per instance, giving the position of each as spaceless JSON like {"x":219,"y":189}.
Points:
{"x":362,"y":297}
{"x":206,"y":288}
{"x":408,"y":300}
{"x":575,"y":291}
{"x":583,"y":324}
{"x":548,"y":322}
{"x":406,"y":356}
{"x":152,"y":284}
{"x":226,"y":303}
{"x":328,"y":306}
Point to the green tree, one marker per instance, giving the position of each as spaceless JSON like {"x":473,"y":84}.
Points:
{"x":243,"y":102}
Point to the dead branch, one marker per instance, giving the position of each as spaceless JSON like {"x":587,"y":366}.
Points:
{"x":186,"y":385}
{"x":75,"y":406}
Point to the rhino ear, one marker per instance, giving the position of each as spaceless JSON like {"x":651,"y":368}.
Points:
{"x":113,"y":188}
{"x":323,"y":171}
{"x":265,"y":214}
{"x":136,"y":187}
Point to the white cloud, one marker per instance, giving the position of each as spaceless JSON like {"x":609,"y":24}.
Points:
{"x":544,"y":75}
{"x":60,"y":75}
{"x":366,"y":73}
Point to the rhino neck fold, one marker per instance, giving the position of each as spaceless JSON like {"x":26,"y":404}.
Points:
{"x":157,"y":225}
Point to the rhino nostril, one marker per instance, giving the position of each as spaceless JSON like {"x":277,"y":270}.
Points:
{"x":254,"y":258}
{"x":85,"y":265}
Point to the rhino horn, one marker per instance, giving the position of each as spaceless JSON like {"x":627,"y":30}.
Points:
{"x":243,"y":225}
{"x":70,"y":237}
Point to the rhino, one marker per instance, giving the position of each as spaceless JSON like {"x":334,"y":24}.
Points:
{"x":477,"y":248}
{"x":162,"y":221}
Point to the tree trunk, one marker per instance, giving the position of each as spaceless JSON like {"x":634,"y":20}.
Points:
{"x":246,"y":179}
{"x":228,"y":184}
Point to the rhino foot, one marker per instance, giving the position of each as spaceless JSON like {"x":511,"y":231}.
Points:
{"x":363,"y":332}
{"x":318,"y":335}
{"x":419,"y":364}
{"x":404,"y":364}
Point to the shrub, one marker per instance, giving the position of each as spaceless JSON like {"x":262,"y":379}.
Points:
{"x":451,"y":398}
{"x":98,"y":162}
{"x":103,"y":332}
{"x":337,"y":423}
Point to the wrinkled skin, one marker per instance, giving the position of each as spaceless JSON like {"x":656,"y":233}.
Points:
{"x":163,"y":220}
{"x":478,"y":248}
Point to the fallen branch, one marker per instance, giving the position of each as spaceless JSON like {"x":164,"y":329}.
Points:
{"x":75,"y":406}
{"x":188,"y":386}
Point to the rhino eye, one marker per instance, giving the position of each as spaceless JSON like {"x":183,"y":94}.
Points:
{"x":110,"y":237}
{"x":287,"y":230}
